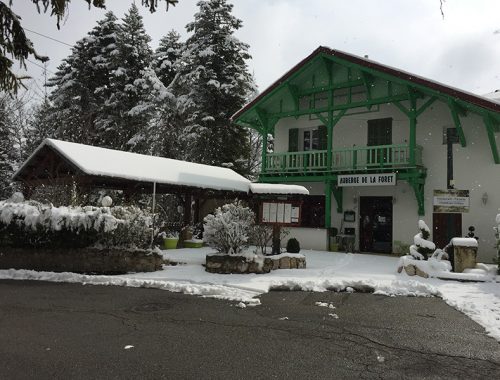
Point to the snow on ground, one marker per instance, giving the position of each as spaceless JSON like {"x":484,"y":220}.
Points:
{"x":325,"y":271}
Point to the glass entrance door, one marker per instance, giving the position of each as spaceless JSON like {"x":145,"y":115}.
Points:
{"x":375,"y":224}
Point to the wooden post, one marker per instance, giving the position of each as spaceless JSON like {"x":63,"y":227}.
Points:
{"x":276,"y":239}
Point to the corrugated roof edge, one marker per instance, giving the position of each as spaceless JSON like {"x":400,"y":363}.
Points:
{"x":448,"y":90}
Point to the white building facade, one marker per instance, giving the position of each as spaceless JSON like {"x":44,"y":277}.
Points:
{"x":378,"y":150}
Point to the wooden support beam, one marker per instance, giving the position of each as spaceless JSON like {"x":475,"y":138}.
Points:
{"x":456,"y":121}
{"x":488,"y":122}
{"x":426,"y":105}
{"x":328,"y":204}
{"x":294,"y":93}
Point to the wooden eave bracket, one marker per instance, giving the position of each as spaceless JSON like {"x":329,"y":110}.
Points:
{"x":456,"y":120}
{"x":294,"y":93}
{"x":490,"y":126}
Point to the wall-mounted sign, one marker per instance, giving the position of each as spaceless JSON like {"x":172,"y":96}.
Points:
{"x":280,"y":213}
{"x":382,"y":179}
{"x":451,"y":201}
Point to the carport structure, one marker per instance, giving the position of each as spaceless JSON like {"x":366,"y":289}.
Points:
{"x":57,"y":162}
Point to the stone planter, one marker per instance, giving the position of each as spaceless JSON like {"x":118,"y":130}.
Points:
{"x":80,"y":260}
{"x":464,"y":253}
{"x":226,"y":264}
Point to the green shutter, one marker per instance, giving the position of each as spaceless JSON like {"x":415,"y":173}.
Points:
{"x":293,"y":140}
{"x":323,"y":137}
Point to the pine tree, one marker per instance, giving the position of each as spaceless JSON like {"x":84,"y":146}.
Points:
{"x":127,"y":109}
{"x":166,"y":59}
{"x":165,"y":127}
{"x":40,"y":127}
{"x":423,"y":247}
{"x":7,"y":153}
{"x":82,"y":86}
{"x":219,"y":83}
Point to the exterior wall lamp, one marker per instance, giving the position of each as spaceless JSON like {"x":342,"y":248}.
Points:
{"x":484,"y":198}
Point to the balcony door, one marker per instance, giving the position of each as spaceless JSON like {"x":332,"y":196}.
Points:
{"x":379,"y":133}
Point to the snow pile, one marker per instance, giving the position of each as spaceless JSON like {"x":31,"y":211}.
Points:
{"x":464,"y":242}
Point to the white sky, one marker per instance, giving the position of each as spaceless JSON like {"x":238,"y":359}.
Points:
{"x":462,"y":50}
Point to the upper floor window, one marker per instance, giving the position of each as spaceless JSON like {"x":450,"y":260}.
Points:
{"x":307,"y":139}
{"x":380,"y":132}
{"x":311,"y":139}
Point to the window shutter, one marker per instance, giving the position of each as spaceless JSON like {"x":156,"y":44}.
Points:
{"x":323,"y":137}
{"x":293,"y":140}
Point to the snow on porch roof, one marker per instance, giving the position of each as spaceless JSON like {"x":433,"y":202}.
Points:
{"x":275,"y":188}
{"x":118,"y":164}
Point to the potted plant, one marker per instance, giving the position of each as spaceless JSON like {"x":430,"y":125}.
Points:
{"x":170,"y":239}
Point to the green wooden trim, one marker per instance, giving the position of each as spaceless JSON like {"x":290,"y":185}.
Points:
{"x":338,"y":194}
{"x":294,"y":93}
{"x":418,"y":188}
{"x":339,"y":107}
{"x":491,"y":138}
{"x":262,"y":117}
{"x":323,"y":119}
{"x":337,"y":86}
{"x":328,"y":204}
{"x":456,"y":121}
{"x":426,"y":105}
{"x":402,"y":108}
{"x":329,"y":70}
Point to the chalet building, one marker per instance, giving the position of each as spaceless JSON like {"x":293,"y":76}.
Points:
{"x":379,"y":148}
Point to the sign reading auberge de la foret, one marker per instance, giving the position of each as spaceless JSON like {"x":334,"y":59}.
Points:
{"x":381,"y":179}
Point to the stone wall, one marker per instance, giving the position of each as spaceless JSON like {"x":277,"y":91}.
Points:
{"x":225,"y":264}
{"x":85,"y":260}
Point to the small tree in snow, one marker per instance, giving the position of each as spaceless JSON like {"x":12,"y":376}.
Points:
{"x":422,"y":246}
{"x":227,"y":230}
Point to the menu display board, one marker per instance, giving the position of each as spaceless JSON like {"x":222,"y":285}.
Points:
{"x":286,"y":213}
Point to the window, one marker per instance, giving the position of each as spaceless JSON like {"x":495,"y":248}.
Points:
{"x":311,"y":139}
{"x":313,"y":211}
{"x":380,"y":132}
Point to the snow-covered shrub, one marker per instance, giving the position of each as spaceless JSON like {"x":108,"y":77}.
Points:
{"x":261,"y":235}
{"x":34,"y":224}
{"x":228,"y":229}
{"x":422,"y":246}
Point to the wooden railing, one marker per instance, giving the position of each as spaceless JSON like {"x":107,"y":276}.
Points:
{"x":356,"y":158}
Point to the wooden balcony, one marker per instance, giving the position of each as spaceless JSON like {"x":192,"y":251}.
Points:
{"x":355,"y":159}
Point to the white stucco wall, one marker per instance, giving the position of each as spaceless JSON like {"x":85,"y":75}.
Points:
{"x":474,"y":170}
{"x":309,"y":238}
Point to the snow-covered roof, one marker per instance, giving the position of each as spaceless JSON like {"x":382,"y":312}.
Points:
{"x":495,"y":96}
{"x":272,"y":188}
{"x":95,"y":161}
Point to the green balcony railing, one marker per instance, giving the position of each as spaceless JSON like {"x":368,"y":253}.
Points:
{"x":357,"y":158}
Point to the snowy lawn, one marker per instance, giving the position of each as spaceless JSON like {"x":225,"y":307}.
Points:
{"x":325,"y":271}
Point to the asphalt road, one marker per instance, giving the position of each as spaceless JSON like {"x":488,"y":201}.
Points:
{"x":68,"y":331}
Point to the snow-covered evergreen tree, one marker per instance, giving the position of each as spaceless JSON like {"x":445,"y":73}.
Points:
{"x":422,"y":247}
{"x":128,"y":112}
{"x":219,"y":83}
{"x":7,"y":152}
{"x":81,"y":86}
{"x":40,"y":127}
{"x":165,"y":127}
{"x":166,"y":59}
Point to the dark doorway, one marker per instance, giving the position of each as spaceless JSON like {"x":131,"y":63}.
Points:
{"x":445,"y":226}
{"x":375,"y":224}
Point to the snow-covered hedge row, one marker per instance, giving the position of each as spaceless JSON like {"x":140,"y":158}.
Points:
{"x":35,"y":224}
